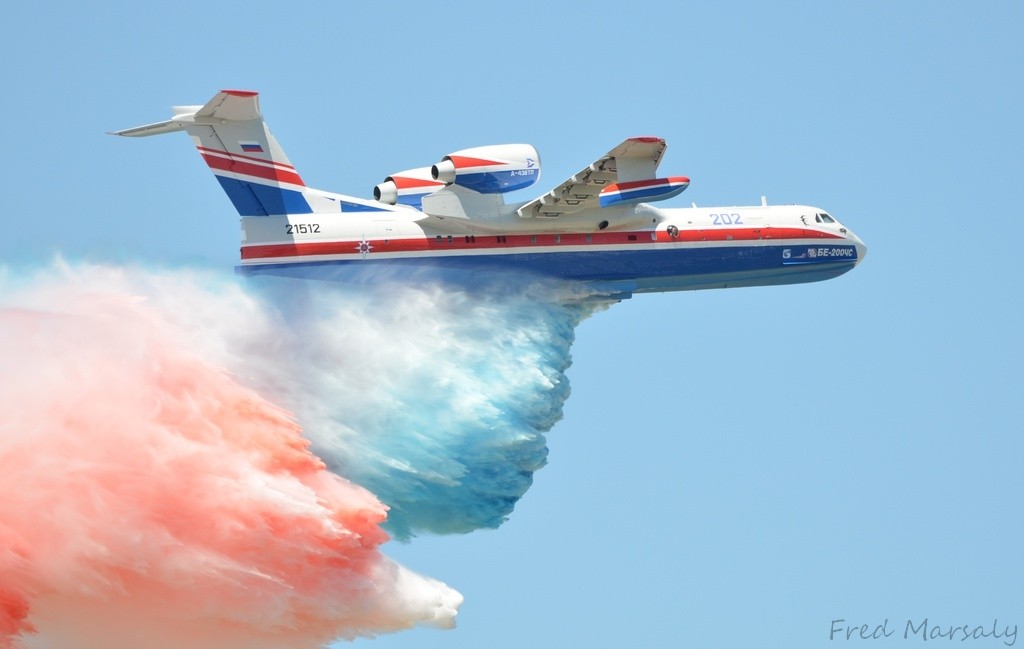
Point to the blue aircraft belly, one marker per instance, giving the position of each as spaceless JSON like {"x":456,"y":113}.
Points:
{"x":640,"y":270}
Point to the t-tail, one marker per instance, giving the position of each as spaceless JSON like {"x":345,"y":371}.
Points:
{"x":241,"y":151}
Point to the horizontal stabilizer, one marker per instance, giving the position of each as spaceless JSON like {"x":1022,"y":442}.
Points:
{"x":226,"y":106}
{"x":169,"y":126}
{"x":232,"y":106}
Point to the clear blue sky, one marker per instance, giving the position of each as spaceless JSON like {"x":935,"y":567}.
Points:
{"x":735,"y":468}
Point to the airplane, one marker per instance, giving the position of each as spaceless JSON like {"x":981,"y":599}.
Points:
{"x":597,"y":226}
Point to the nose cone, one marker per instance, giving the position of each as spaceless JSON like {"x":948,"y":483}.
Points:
{"x":862,"y":249}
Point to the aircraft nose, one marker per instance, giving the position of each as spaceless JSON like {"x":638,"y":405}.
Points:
{"x":862,"y":249}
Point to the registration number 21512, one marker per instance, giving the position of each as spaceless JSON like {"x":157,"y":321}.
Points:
{"x":302,"y":228}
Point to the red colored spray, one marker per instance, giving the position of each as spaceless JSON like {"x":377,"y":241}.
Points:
{"x":148,"y":499}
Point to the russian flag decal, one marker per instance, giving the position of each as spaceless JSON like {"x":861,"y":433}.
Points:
{"x":251,"y":147}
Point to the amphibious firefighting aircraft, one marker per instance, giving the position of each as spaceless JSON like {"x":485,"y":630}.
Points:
{"x":596,"y":226}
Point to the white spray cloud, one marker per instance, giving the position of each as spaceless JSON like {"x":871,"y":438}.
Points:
{"x":436,"y":398}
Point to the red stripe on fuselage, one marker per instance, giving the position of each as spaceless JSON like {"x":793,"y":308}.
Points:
{"x":526,"y":241}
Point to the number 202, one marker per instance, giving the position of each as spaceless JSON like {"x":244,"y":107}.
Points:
{"x":726,"y":219}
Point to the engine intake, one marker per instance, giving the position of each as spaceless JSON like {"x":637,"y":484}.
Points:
{"x":406,"y":187}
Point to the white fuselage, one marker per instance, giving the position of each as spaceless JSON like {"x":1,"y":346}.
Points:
{"x":639,"y":247}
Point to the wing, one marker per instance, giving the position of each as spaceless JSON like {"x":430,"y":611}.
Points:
{"x":636,"y":159}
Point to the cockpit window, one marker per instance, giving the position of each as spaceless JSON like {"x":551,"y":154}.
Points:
{"x":827,"y":219}
{"x":817,"y":218}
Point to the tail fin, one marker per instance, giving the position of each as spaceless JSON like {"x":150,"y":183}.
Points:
{"x":241,"y":151}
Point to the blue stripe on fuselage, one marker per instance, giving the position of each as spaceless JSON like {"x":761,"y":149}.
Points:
{"x":642,"y":270}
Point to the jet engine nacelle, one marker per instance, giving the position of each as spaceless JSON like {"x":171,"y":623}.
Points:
{"x":490,"y":169}
{"x":407,"y":187}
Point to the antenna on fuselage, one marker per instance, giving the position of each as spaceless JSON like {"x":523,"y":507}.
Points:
{"x":764,"y":201}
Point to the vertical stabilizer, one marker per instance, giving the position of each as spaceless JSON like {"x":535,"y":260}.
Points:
{"x":239,"y":148}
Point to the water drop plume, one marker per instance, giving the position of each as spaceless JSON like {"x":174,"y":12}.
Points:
{"x":152,"y":499}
